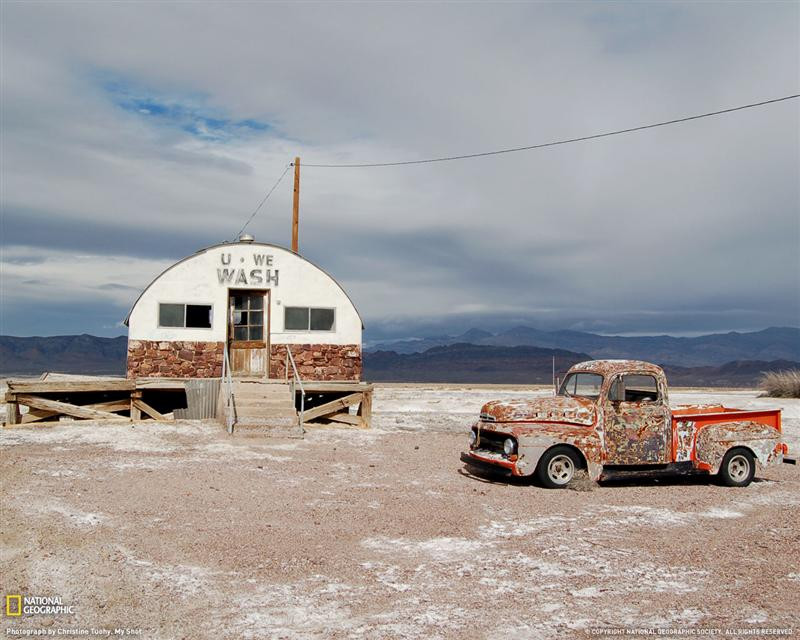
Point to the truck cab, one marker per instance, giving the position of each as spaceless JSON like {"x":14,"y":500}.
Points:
{"x":613,"y":418}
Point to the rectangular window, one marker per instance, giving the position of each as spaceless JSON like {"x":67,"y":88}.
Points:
{"x":192,"y":316}
{"x":170,"y":315}
{"x":308,"y":319}
{"x":322,"y":319}
{"x":198,"y":316}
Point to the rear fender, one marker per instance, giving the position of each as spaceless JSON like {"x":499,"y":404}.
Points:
{"x":533,"y":440}
{"x":715,"y":440}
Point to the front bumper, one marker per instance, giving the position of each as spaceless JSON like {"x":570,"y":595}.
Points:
{"x":489,"y":462}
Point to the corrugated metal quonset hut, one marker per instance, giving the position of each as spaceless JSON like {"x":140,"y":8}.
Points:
{"x":258,"y":299}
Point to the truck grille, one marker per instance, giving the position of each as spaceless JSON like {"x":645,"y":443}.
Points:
{"x":492,"y":441}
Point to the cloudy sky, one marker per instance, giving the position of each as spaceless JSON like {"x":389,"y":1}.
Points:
{"x":134,"y":134}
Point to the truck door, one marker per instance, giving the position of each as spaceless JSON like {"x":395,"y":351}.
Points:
{"x":638,"y":427}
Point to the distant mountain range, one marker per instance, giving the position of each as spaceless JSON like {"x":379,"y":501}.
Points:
{"x":748,"y":356}
{"x":65,"y":354}
{"x":775,"y":343}
{"x":469,"y":363}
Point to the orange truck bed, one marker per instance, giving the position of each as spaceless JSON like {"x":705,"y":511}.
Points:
{"x":688,"y":421}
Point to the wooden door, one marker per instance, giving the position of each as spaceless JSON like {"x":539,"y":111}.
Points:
{"x":248,"y":332}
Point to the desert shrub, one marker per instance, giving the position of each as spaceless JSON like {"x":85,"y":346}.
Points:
{"x":781,"y":384}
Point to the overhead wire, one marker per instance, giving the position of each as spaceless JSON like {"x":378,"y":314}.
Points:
{"x":554,"y":143}
{"x":512,"y":149}
{"x":261,"y":204}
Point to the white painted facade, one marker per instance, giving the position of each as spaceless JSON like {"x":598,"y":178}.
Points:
{"x":206,"y":277}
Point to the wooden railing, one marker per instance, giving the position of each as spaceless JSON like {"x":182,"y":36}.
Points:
{"x":296,"y":380}
{"x":227,"y":385}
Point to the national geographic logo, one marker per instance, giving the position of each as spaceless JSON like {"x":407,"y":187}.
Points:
{"x":13,"y":605}
{"x":18,"y":605}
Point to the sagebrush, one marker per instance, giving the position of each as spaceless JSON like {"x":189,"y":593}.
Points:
{"x":781,"y":384}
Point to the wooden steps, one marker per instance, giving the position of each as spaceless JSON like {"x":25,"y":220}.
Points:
{"x":262,"y":407}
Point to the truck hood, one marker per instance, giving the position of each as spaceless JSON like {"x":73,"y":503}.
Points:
{"x":559,"y":409}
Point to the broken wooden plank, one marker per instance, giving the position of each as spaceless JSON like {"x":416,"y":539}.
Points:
{"x":55,"y":423}
{"x":123,"y":404}
{"x":323,"y":425}
{"x":19,"y":386}
{"x":74,"y":410}
{"x":41,"y":423}
{"x":334,"y":406}
{"x":346,"y":418}
{"x":332,"y":387}
{"x":160,"y":383}
{"x":34,"y":415}
{"x":146,"y":408}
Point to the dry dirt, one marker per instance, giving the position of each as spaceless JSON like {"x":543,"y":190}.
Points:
{"x":181,"y":531}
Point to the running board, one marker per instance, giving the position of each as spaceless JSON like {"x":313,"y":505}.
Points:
{"x":649,"y":470}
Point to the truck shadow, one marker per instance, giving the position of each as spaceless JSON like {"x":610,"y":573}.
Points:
{"x":698,"y":480}
{"x":487,"y":477}
{"x":584,"y":484}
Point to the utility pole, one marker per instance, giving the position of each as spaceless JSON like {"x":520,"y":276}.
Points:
{"x":296,"y":205}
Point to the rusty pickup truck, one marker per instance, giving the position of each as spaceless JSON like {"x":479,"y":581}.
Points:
{"x":612,"y":418}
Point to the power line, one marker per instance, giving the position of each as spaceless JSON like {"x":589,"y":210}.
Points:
{"x":260,"y":204}
{"x":555,"y":143}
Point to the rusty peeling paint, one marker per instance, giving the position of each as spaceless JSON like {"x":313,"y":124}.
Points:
{"x":608,"y":431}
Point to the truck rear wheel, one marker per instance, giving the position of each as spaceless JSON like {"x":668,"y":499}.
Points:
{"x":557,"y":467}
{"x":738,"y":468}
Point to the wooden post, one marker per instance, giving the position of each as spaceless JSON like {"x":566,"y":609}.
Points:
{"x":296,"y":205}
{"x":365,"y":408}
{"x":136,"y":412}
{"x":13,"y":415}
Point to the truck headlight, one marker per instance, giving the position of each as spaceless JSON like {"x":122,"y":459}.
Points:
{"x":473,"y":438}
{"x":509,"y":446}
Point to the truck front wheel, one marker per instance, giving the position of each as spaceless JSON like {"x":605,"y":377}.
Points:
{"x":738,"y":468}
{"x":557,"y":467}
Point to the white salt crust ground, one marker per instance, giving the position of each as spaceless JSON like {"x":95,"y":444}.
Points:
{"x":184,"y":532}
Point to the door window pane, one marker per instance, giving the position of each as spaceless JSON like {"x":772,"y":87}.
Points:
{"x":170,"y":315}
{"x":321,"y":319}
{"x":296,"y":318}
{"x":240,"y":333}
{"x":257,"y":302}
{"x":256,"y":333}
{"x":256,"y":318}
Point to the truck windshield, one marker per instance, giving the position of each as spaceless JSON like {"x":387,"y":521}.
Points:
{"x":585,"y":385}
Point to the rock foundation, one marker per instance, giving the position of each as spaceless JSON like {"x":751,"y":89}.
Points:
{"x":180,"y":359}
{"x":174,"y":359}
{"x":319,"y":361}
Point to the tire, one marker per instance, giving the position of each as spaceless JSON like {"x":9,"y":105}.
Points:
{"x":738,"y":468}
{"x":557,"y":467}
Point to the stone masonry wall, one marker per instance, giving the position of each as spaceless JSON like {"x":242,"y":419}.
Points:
{"x":174,"y":359}
{"x":318,"y":361}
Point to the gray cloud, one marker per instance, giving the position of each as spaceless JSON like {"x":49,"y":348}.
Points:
{"x":149,"y":131}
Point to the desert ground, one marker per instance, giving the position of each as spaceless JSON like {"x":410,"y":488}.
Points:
{"x":177,"y":530}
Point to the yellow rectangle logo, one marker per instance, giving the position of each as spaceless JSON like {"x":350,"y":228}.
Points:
{"x":13,"y":611}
